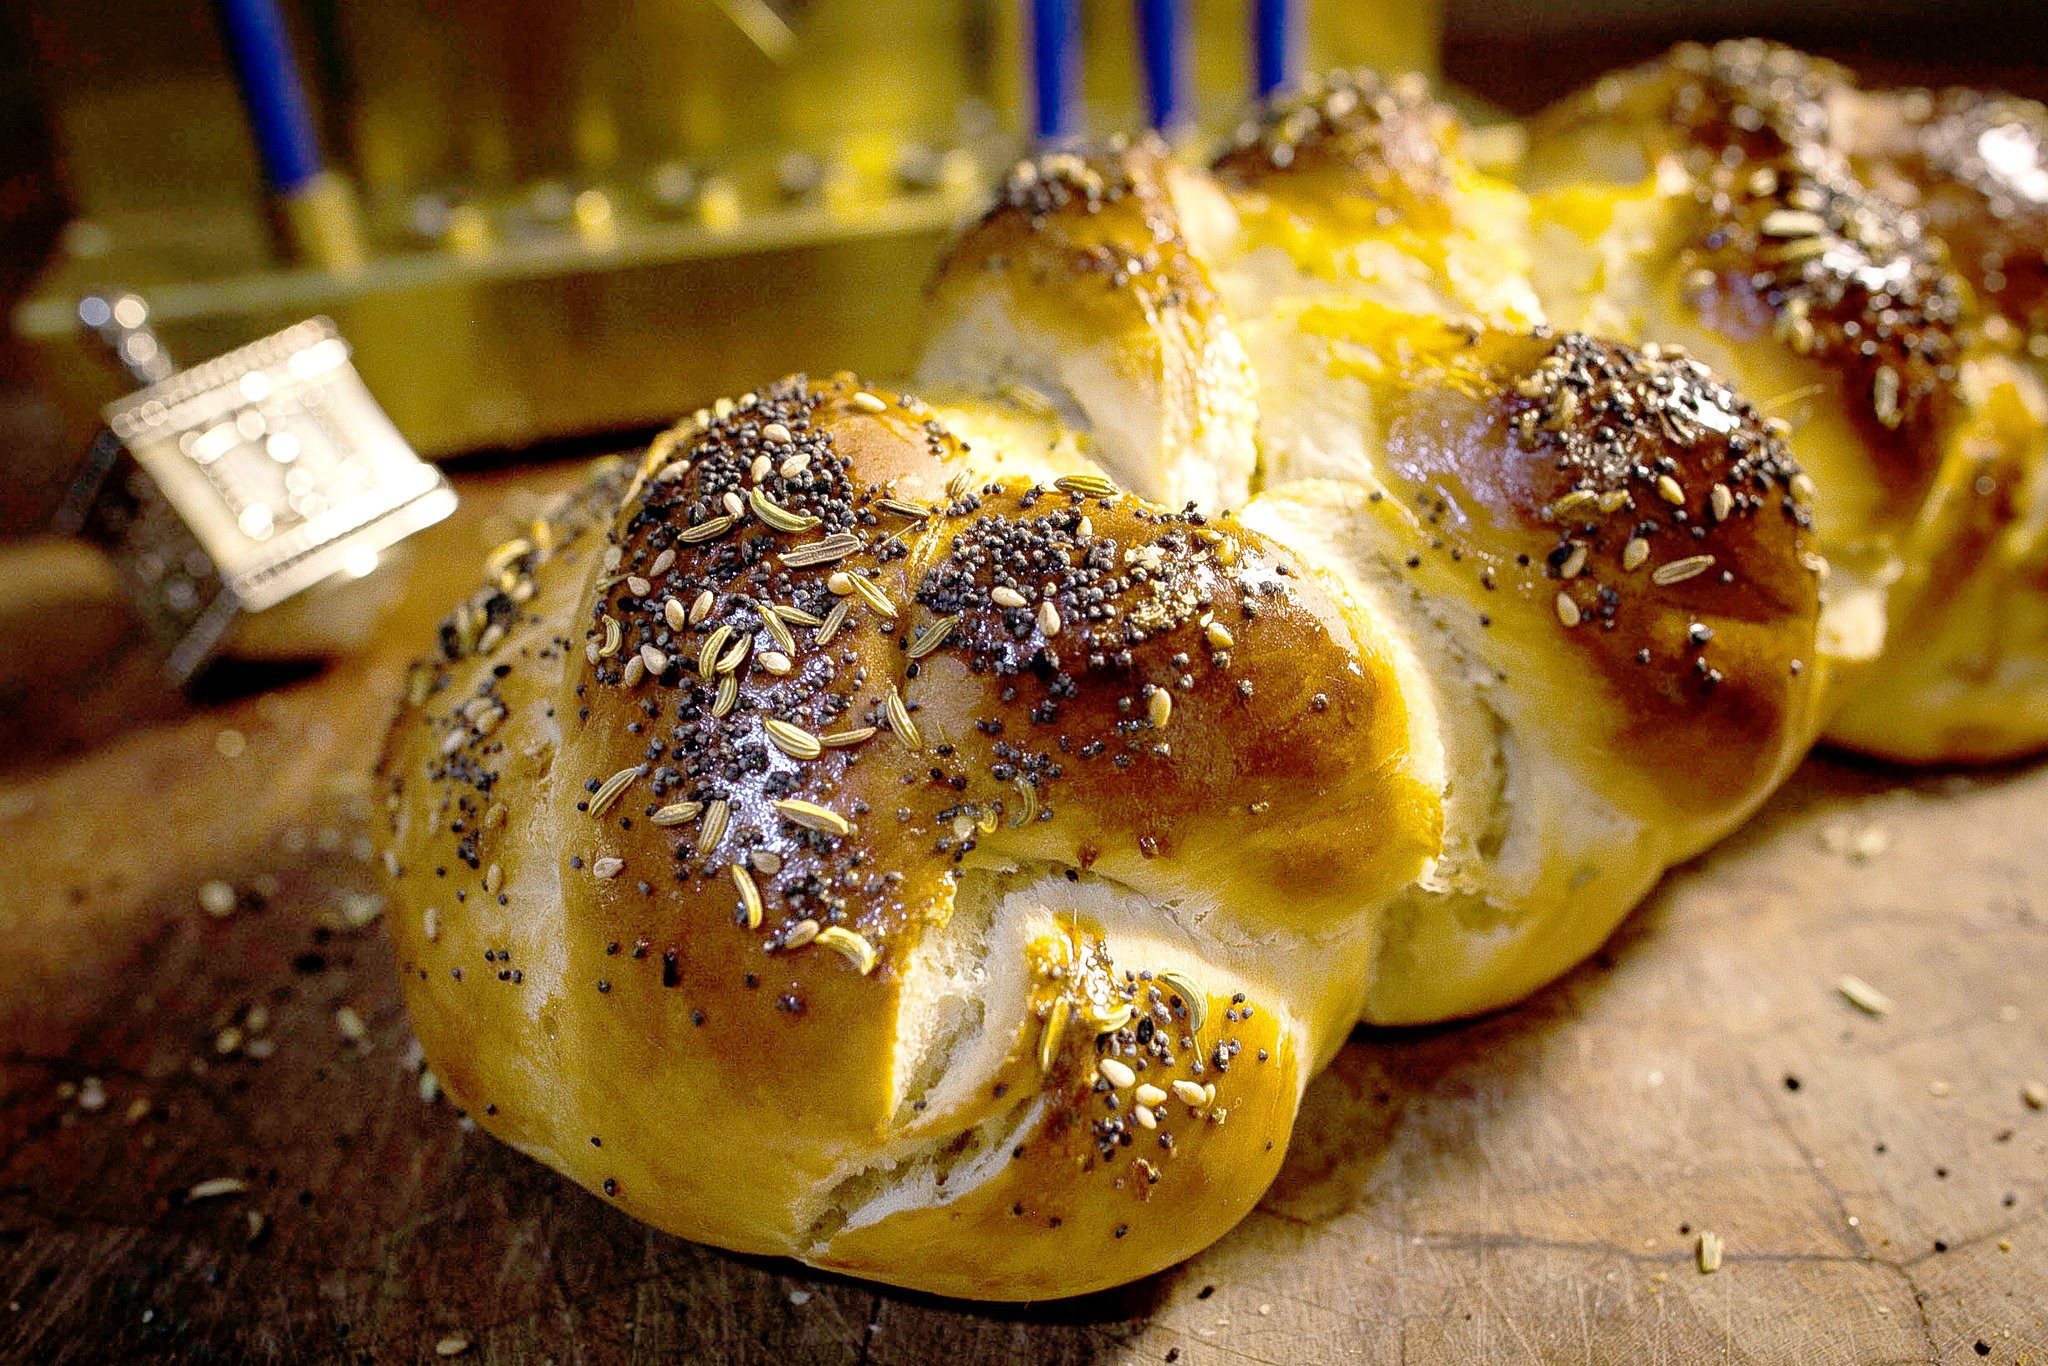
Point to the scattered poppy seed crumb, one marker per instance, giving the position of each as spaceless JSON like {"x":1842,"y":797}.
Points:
{"x":215,"y":1187}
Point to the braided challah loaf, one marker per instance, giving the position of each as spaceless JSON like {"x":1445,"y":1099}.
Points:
{"x":859,"y":832}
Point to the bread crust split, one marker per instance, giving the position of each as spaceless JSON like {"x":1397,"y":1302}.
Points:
{"x":862,"y":831}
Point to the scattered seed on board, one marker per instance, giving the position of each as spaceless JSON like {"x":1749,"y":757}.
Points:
{"x":1634,"y":553}
{"x":1118,"y":1073}
{"x":1007,"y":597}
{"x":1864,"y":996}
{"x":1567,"y":610}
{"x":868,"y":403}
{"x":215,"y":1187}
{"x":1709,"y":1252}
{"x":607,"y":868}
{"x":217,"y":898}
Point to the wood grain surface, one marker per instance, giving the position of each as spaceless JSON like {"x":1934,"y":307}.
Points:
{"x":1529,"y":1187}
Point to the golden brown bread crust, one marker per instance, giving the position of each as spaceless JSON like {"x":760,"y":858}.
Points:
{"x":1812,"y":260}
{"x":1094,"y":234}
{"x":1080,"y":288}
{"x":1974,"y":167}
{"x":669,"y":834}
{"x":1099,"y":1197}
{"x":1602,"y":558}
{"x":1631,"y":505}
{"x":1708,"y":105}
{"x":1784,"y":243}
{"x":1349,"y":135}
{"x":1896,"y":237}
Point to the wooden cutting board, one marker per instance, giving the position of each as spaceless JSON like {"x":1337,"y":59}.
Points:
{"x":217,"y":1146}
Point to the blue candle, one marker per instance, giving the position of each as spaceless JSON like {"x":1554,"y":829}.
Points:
{"x":1273,"y":36}
{"x":278,"y":116}
{"x":1159,"y":40}
{"x":1055,"y":43}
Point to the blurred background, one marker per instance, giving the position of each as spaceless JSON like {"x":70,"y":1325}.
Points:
{"x":542,"y":223}
{"x":547,"y":229}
